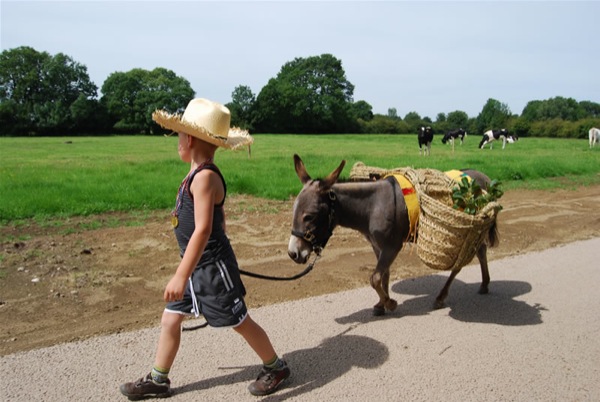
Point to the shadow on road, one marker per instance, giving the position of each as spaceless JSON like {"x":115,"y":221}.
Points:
{"x":464,"y":303}
{"x":311,"y":368}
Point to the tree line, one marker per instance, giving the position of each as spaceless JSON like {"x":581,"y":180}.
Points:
{"x":43,"y":95}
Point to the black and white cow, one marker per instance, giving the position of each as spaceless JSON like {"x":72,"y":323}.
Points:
{"x":425,"y":135}
{"x":450,"y":136}
{"x":493,"y":135}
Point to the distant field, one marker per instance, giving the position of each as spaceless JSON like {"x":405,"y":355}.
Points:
{"x":54,"y":177}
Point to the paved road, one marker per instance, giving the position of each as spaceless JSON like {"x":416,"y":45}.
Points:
{"x":535,"y":337}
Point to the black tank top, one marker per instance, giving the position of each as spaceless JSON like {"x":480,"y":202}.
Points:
{"x":218,"y":246}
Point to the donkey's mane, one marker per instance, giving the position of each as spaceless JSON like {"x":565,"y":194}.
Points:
{"x":346,"y":180}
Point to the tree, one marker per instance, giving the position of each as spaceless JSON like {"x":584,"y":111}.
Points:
{"x":413,"y":121}
{"x":21,"y":72}
{"x":531,"y":111}
{"x":362,"y":110}
{"x":39,"y":89}
{"x":457,"y":119}
{"x":89,"y":116}
{"x":242,"y":107}
{"x":494,"y":115}
{"x":309,"y":95}
{"x":590,"y":109}
{"x":559,"y":108}
{"x":441,"y":123}
{"x":392,"y":113}
{"x":131,"y":97}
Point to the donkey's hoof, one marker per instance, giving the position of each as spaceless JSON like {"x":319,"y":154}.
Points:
{"x":391,"y":305}
{"x":483,"y":291}
{"x":438,"y":304}
{"x":378,"y":311}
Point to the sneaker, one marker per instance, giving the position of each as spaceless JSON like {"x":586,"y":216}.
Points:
{"x":269,"y":380}
{"x":145,"y":387}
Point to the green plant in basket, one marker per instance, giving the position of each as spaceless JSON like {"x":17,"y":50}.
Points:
{"x":470,"y":198}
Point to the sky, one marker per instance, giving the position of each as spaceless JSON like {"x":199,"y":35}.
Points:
{"x":427,"y":57}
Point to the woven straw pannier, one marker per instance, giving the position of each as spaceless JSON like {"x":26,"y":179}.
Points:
{"x":447,"y":239}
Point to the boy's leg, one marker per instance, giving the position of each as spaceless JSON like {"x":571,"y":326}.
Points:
{"x":156,"y":383}
{"x":274,"y":371}
{"x":170,"y":337}
{"x":257,"y":338}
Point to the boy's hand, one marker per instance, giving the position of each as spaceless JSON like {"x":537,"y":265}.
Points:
{"x":175,"y":288}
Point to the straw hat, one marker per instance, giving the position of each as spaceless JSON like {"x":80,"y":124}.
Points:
{"x":206,"y":120}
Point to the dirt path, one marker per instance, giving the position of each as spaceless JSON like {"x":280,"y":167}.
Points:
{"x":64,"y":283}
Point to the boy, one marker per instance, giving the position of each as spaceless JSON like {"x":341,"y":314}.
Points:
{"x":207,"y":280}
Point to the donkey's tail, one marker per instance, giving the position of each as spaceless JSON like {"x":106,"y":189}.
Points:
{"x":493,"y":237}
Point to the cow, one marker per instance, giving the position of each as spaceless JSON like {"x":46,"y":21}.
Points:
{"x":594,"y":136}
{"x":425,"y":136}
{"x":493,"y":135}
{"x":453,"y":135}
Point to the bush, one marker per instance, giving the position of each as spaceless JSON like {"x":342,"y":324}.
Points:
{"x":383,"y":125}
{"x":557,"y":128}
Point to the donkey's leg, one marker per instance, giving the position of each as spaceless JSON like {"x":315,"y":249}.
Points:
{"x":390,"y":304}
{"x":485,"y":274}
{"x":380,"y":282}
{"x":485,"y":277}
{"x":439,"y":300}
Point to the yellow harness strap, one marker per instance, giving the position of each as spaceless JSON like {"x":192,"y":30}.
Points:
{"x":457,"y":175}
{"x":412,"y":201}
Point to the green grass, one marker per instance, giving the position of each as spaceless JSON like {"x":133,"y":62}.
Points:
{"x":48,"y":178}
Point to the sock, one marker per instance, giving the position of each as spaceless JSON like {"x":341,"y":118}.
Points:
{"x":159,"y":374}
{"x":274,"y":363}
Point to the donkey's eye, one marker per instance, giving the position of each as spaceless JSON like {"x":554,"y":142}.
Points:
{"x":308,"y":218}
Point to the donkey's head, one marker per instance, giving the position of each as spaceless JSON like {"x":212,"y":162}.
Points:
{"x":314,"y":213}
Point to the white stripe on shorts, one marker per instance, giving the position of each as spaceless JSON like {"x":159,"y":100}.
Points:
{"x":225,"y":275}
{"x":195,"y":308}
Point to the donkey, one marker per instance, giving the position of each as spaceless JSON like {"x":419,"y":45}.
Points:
{"x":374,"y":208}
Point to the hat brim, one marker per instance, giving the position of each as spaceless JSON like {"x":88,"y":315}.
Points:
{"x":236,"y":138}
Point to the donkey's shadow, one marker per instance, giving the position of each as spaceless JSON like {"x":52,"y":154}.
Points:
{"x":464,"y":302}
{"x":311,"y":368}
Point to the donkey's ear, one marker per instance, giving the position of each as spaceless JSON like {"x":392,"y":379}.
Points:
{"x":330,"y":180}
{"x":300,"y":169}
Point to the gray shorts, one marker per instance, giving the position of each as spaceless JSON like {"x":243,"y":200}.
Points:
{"x":218,"y":294}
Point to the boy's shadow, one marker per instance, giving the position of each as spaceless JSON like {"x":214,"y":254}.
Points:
{"x":311,"y":368}
{"x":465,"y":304}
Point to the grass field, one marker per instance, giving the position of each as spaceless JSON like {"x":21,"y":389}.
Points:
{"x":60,"y":177}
